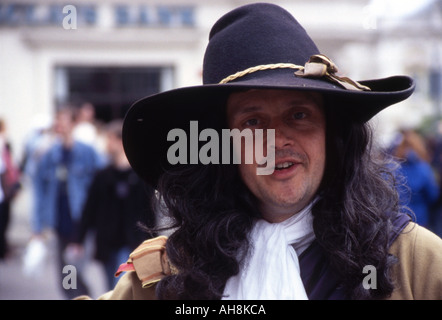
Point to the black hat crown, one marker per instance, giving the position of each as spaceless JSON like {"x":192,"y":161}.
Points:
{"x":252,"y":35}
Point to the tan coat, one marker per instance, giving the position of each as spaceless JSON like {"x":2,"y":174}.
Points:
{"x":418,"y":274}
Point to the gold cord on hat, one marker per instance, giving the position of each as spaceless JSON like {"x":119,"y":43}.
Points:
{"x":261,"y":67}
{"x":318,"y":66}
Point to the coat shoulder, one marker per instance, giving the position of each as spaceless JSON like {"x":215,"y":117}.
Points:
{"x":418,"y":273}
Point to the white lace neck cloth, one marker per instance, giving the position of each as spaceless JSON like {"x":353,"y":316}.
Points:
{"x":271,"y":270}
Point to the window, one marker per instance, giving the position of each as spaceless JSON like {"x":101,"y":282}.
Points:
{"x":112,"y":90}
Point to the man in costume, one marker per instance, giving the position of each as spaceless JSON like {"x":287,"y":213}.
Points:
{"x":312,"y":228}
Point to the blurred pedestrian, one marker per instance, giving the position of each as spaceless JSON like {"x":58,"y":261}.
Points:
{"x":421,"y":189}
{"x":118,"y":201}
{"x":435,"y":146}
{"x":10,"y":181}
{"x":2,"y":213}
{"x":85,"y":129}
{"x":38,"y":141}
{"x":88,"y":129}
{"x":62,"y":181}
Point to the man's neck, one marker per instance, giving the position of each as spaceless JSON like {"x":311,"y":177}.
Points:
{"x":277,"y":214}
{"x":121,"y":162}
{"x":67,"y":141}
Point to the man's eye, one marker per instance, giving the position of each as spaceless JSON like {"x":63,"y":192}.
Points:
{"x":252,"y":122}
{"x":299,"y":115}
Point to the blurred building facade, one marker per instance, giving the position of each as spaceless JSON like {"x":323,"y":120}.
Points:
{"x":113,"y":52}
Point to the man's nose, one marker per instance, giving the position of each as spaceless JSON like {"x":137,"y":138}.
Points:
{"x":282,"y":136}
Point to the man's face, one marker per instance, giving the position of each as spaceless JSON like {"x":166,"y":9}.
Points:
{"x":114,"y":145}
{"x":299,"y":123}
{"x":63,"y":124}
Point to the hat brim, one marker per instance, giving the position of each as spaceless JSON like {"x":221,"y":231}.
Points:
{"x":149,"y":120}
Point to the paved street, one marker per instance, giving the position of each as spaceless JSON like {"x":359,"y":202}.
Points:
{"x":14,"y":284}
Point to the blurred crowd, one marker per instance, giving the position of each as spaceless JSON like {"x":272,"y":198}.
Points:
{"x":419,"y":176}
{"x":81,"y":184}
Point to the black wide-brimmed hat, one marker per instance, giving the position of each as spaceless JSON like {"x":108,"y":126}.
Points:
{"x":254,"y":46}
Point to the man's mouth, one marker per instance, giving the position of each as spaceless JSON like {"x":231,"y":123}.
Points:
{"x":284,"y":165}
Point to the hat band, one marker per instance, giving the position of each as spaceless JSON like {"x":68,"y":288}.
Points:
{"x":318,"y":66}
{"x":261,"y":67}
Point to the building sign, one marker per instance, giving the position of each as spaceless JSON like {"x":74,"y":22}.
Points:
{"x":124,"y":15}
{"x":160,"y":16}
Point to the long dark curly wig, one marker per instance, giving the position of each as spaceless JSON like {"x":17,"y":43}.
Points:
{"x":213,"y":213}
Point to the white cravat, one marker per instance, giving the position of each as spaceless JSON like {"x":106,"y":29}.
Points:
{"x":271,"y":270}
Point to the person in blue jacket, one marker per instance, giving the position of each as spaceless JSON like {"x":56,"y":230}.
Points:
{"x":62,"y":180}
{"x":421,"y":189}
